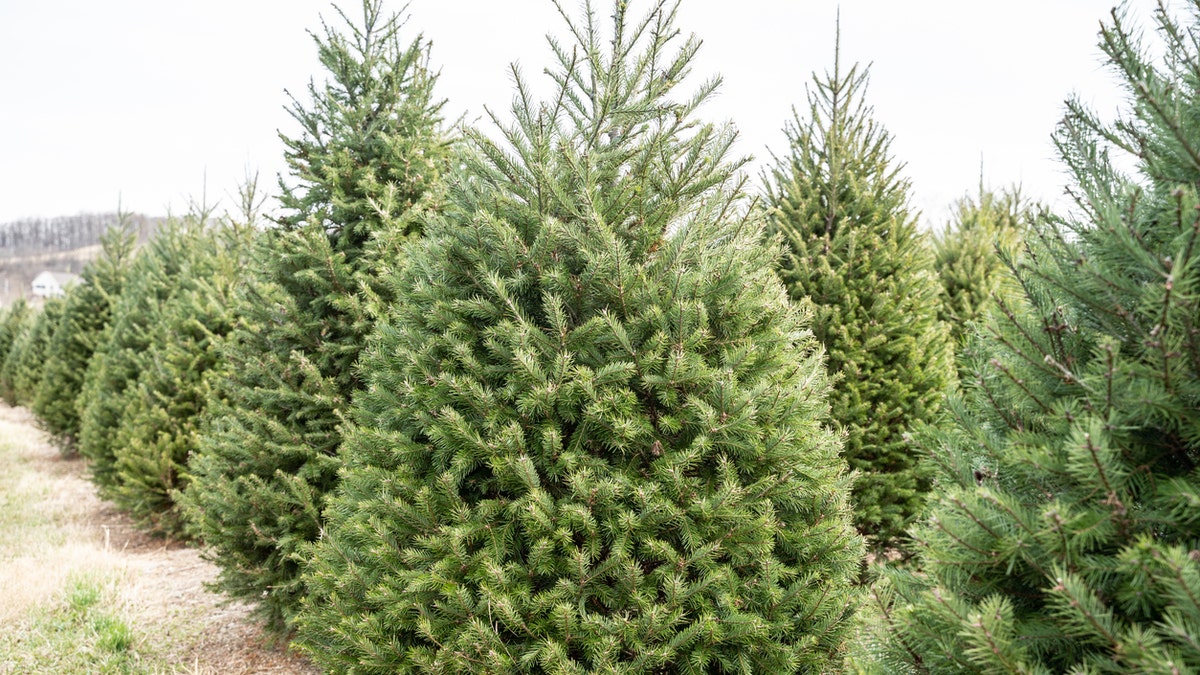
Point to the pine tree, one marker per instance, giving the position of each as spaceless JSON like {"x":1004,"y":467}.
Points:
{"x":970,"y":255}
{"x":854,"y":253}
{"x":85,"y":314}
{"x":370,"y":152}
{"x":13,"y":323}
{"x":20,"y":325}
{"x":592,"y":436}
{"x":1066,"y":531}
{"x":22,"y":372}
{"x":136,"y":325}
{"x":158,"y":427}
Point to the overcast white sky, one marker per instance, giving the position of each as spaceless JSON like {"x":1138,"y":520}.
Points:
{"x":142,"y":99}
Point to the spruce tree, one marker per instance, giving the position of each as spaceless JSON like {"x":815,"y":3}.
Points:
{"x":136,"y":325}
{"x":1065,"y":534}
{"x":592,"y":437}
{"x":19,"y":343}
{"x":85,"y":314}
{"x":22,"y":372}
{"x":158,"y":427}
{"x":13,"y":323}
{"x":852,"y":251}
{"x":371,"y":150}
{"x":970,"y":255}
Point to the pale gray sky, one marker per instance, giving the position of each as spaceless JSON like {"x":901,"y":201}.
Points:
{"x":141,"y":99}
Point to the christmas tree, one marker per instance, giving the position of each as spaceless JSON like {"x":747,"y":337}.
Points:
{"x":371,"y":151}
{"x":158,"y":427}
{"x":13,"y":323}
{"x":85,"y":314}
{"x":970,"y":255}
{"x":852,"y":251}
{"x":138,"y":323}
{"x":22,"y":371}
{"x":592,"y":436}
{"x":1066,"y":531}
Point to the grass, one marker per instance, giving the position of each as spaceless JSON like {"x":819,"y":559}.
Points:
{"x":17,"y":522}
{"x":40,"y":541}
{"x":64,"y":622}
{"x":80,"y":602}
{"x":81,"y":632}
{"x":63,"y":614}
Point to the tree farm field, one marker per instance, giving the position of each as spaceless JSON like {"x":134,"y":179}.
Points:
{"x":86,"y":592}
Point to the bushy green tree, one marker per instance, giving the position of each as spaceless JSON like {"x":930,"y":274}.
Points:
{"x":593,"y":433}
{"x":158,"y":428}
{"x":19,"y":343}
{"x":852,"y":251}
{"x":371,"y":149}
{"x":1066,"y":532}
{"x":135,"y":327}
{"x":970,"y":255}
{"x":22,"y":371}
{"x":85,"y":314}
{"x":13,"y":323}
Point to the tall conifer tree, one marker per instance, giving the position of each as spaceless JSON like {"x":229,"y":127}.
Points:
{"x":158,"y":427}
{"x":22,"y":371}
{"x":592,"y":436}
{"x":137,"y":324}
{"x":85,"y":314}
{"x":371,"y":149}
{"x":1066,"y":533}
{"x":852,"y":251}
{"x":970,"y":255}
{"x":15,"y":321}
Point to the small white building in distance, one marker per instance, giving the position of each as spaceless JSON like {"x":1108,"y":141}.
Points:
{"x":53,"y":284}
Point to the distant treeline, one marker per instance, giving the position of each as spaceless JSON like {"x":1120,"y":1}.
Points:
{"x":64,"y":233}
{"x":63,"y":244}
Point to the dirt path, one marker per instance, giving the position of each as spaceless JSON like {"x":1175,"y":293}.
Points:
{"x":53,"y":527}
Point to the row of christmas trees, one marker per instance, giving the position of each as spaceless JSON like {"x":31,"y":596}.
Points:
{"x":564,"y":398}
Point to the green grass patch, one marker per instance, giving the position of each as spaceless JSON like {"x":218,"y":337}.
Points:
{"x":82,"y":632}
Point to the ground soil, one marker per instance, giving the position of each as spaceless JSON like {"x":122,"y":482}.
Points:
{"x":161,"y":584}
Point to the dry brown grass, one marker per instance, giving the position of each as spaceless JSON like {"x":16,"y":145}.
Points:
{"x":53,"y":528}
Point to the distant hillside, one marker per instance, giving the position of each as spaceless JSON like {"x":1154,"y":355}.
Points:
{"x":63,"y":244}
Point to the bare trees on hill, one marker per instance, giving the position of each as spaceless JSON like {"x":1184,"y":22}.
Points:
{"x":63,"y":233}
{"x":62,"y":244}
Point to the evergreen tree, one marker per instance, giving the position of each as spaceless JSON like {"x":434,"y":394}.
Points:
{"x":854,"y":253}
{"x":13,"y":323}
{"x":136,"y":325}
{"x":970,"y":255}
{"x":592,"y":436}
{"x":158,"y":427}
{"x":1066,"y":531}
{"x":85,"y":314}
{"x":371,"y":150}
{"x":26,"y":360}
{"x":21,"y":325}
